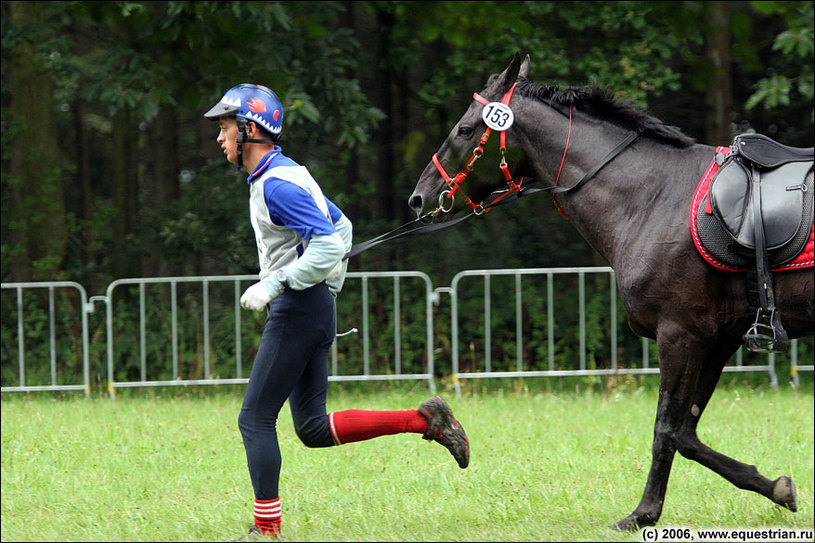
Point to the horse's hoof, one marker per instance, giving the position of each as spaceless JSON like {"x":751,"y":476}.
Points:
{"x":628,"y":524}
{"x":784,"y":493}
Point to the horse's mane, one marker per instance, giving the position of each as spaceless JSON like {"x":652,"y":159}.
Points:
{"x":600,"y":104}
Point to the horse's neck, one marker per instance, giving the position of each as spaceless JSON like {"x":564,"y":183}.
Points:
{"x":641,"y":190}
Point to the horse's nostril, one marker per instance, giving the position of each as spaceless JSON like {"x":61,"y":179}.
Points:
{"x":415,"y":203}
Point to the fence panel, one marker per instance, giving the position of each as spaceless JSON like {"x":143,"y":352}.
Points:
{"x":176,"y":331}
{"x":192,"y":330}
{"x":515,"y":323}
{"x":393,"y":313}
{"x":57,"y":310}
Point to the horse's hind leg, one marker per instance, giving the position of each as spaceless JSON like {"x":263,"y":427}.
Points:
{"x":781,"y":491}
{"x":685,"y":388}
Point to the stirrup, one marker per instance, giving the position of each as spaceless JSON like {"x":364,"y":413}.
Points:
{"x":766,"y":335}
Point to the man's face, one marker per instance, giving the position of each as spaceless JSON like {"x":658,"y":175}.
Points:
{"x":228,"y":138}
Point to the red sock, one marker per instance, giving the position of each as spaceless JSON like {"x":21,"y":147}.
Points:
{"x":267,"y":516}
{"x":358,"y":425}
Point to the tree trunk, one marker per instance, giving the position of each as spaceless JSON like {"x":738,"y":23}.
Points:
{"x":160,"y":184}
{"x":719,"y":92}
{"x":39,"y":210}
{"x":82,"y":155}
{"x":385,"y":131}
{"x":125,"y":193}
{"x":351,"y":18}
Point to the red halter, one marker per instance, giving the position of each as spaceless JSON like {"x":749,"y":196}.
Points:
{"x":455,"y":183}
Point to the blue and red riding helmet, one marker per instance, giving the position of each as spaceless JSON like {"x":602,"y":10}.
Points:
{"x":253,"y":103}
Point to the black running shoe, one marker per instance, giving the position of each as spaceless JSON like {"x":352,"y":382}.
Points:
{"x":443,"y":428}
{"x":256,"y":535}
{"x":253,"y":535}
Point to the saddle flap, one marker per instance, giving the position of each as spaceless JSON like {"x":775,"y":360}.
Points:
{"x":783,"y":190}
{"x":782,"y":201}
{"x":729,"y":194}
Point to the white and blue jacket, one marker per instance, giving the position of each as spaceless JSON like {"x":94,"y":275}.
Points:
{"x":297,"y":228}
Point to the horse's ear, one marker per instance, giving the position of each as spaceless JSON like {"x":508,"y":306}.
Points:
{"x":524,"y":72}
{"x":508,"y":76}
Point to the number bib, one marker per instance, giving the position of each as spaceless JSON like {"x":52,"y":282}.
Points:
{"x":498,"y":116}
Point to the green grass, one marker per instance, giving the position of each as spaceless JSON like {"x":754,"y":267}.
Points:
{"x":550,"y":461}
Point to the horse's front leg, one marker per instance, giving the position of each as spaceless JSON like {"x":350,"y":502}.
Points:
{"x":680,"y":360}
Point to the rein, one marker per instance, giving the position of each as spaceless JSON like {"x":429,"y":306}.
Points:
{"x":514,"y":190}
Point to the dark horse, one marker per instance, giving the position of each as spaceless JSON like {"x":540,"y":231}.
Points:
{"x":633,"y":211}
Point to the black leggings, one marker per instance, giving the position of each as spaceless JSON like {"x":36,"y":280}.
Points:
{"x":292,"y":362}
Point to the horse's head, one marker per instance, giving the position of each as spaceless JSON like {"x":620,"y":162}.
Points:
{"x":439,"y":187}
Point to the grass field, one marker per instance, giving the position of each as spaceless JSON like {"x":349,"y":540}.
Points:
{"x":549,"y":463}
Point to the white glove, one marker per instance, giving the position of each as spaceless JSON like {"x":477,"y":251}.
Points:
{"x":261,"y":293}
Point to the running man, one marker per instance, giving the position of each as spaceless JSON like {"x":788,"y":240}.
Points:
{"x":302,"y":237}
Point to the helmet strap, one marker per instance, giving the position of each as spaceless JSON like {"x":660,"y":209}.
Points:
{"x":240,"y":139}
{"x":243,"y":138}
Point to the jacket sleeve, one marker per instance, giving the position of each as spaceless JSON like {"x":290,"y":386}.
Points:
{"x":346,"y":232}
{"x":319,"y":261}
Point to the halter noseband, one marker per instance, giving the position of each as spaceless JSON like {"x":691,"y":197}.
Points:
{"x":455,"y":183}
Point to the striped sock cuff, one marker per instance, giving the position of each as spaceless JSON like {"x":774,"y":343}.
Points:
{"x":267,"y":516}
{"x":333,"y":429}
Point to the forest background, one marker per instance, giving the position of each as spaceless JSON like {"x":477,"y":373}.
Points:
{"x":110,"y":171}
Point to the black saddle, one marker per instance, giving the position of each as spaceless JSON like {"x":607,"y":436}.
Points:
{"x":762,"y":211}
{"x":767,"y":152}
{"x":785,"y":190}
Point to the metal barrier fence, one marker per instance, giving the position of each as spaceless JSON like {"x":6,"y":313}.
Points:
{"x":422,"y":300}
{"x":179,"y":331}
{"x":20,"y":311}
{"x":233,"y":301}
{"x":143,"y":321}
{"x":545,"y":366}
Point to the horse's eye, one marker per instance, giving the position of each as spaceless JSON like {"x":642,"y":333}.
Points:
{"x":465,"y":131}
